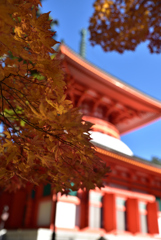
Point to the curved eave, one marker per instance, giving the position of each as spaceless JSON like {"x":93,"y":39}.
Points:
{"x":128,"y":160}
{"x":141,"y":122}
{"x":92,"y":77}
{"x":80,"y":62}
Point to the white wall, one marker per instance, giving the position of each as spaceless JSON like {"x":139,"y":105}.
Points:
{"x":65,"y":215}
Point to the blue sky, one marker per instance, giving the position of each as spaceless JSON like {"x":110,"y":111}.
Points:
{"x":139,"y":69}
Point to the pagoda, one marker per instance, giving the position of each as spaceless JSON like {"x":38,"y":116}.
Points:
{"x":129,"y":206}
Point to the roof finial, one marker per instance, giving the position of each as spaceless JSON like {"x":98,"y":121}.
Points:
{"x":83,"y":43}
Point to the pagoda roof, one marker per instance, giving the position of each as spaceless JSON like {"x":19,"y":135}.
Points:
{"x":131,"y":160}
{"x":140,"y":108}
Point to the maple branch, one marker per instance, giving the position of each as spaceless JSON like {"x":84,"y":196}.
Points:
{"x":24,"y":95}
{"x":41,"y":129}
{"x":32,"y":82}
{"x":75,"y":169}
{"x":5,"y":123}
{"x":33,"y":91}
{"x":19,"y":98}
{"x":1,"y":96}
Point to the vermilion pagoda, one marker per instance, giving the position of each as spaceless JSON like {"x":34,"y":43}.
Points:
{"x":129,"y":206}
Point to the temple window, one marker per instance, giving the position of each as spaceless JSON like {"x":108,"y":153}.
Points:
{"x":44,"y":213}
{"x":33,"y":192}
{"x":98,"y":112}
{"x":121,"y":217}
{"x":158,"y":199}
{"x":95,"y":210}
{"x":45,"y":207}
{"x":47,"y":190}
{"x":85,"y":108}
{"x":143,"y":217}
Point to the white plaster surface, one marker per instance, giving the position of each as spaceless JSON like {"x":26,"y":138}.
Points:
{"x":110,"y":142}
{"x":65,"y":215}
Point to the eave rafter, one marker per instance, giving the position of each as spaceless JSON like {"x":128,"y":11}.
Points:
{"x":92,"y":103}
{"x":123,"y":114}
{"x":145,"y":109}
{"x":101,"y":101}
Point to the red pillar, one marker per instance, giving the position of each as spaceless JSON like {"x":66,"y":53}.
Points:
{"x":152,"y":218}
{"x":17,"y":209}
{"x":133,"y":219}
{"x":28,"y":215}
{"x":84,"y":209}
{"x":28,"y":207}
{"x":109,"y":212}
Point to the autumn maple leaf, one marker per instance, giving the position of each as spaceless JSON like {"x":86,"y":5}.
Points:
{"x":44,"y":139}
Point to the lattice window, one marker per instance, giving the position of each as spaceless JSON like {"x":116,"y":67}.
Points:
{"x":121,"y":216}
{"x":47,"y":190}
{"x":95,"y":210}
{"x":158,"y":199}
{"x":44,"y":213}
{"x":143,"y":217}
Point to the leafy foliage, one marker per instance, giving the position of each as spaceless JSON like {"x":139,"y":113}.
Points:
{"x":156,"y":160}
{"x":123,"y":24}
{"x":44,"y":138}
